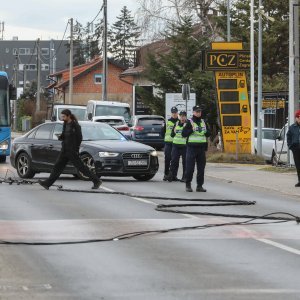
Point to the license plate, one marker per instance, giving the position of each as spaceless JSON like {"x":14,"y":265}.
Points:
{"x":137,"y":162}
{"x":153,"y":134}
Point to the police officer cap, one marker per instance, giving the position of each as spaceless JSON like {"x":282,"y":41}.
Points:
{"x":197,"y":108}
{"x":174,"y":109}
{"x":182,"y":113}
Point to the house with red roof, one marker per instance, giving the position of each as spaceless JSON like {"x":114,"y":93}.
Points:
{"x":87,"y":83}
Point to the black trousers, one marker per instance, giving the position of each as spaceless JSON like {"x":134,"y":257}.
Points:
{"x":63,"y":158}
{"x":178,"y":152}
{"x":296,"y":155}
{"x":168,"y":157}
{"x":195,"y":155}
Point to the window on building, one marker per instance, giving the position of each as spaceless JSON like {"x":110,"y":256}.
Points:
{"x":45,"y":51}
{"x":31,"y":67}
{"x":15,"y":51}
{"x":33,"y":51}
{"x":98,"y":78}
{"x":7,"y":66}
{"x":45,"y":67}
{"x":7,"y":50}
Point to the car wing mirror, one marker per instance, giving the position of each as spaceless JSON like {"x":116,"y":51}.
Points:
{"x":90,"y":116}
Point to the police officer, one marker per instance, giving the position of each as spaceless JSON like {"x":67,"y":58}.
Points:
{"x":166,"y":132}
{"x":178,"y":148}
{"x":196,"y":132}
{"x":293,"y":141}
{"x":71,"y":138}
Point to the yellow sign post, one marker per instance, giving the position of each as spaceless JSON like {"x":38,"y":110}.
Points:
{"x":229,"y":62}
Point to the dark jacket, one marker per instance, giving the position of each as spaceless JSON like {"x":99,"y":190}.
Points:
{"x":293,"y":136}
{"x":72,"y":140}
{"x":188,"y":130}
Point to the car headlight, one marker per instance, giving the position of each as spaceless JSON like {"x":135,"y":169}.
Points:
{"x":153,"y":153}
{"x":108,"y":154}
{"x":4,"y":145}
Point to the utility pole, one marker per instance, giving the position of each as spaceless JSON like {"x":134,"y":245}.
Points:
{"x":228,"y":21}
{"x":293,"y":63}
{"x":104,"y":61}
{"x":71,"y":63}
{"x":24,"y":77}
{"x":252,"y":83}
{"x":16,"y":68}
{"x":259,"y":83}
{"x":38,"y":64}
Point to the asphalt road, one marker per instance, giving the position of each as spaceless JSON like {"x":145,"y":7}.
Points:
{"x":229,"y":262}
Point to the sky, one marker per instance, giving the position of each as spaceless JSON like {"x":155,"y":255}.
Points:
{"x":32,"y":19}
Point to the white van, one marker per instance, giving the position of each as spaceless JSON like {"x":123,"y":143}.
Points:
{"x":96,"y":108}
{"x":79,"y":111}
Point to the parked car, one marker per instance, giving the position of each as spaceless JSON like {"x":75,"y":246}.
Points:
{"x":103,"y":149}
{"x":269,"y":141}
{"x":146,"y":129}
{"x":117,"y":122}
{"x":78,"y":110}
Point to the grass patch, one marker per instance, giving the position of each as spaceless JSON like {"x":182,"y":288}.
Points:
{"x":218,"y":157}
{"x":278,"y":169}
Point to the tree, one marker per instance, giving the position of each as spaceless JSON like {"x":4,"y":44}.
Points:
{"x":275,"y":35}
{"x":180,"y":63}
{"x":124,"y":38}
{"x":155,"y":16}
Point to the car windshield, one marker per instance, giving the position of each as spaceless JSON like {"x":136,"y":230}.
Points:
{"x":96,"y":131}
{"x":78,"y":112}
{"x":108,"y":110}
{"x":112,"y":122}
{"x":150,"y":121}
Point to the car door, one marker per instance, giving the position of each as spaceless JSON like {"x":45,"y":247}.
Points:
{"x":41,"y":146}
{"x":281,"y":145}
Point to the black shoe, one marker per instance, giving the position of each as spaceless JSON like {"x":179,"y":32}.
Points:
{"x":43,"y":184}
{"x":297,"y":184}
{"x":175,"y":179}
{"x":97,"y":184}
{"x":165,"y":178}
{"x":188,"y":187}
{"x":200,"y":189}
{"x":182,"y":179}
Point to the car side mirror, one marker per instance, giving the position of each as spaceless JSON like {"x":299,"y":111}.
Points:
{"x":90,"y":116}
{"x":53,"y":118}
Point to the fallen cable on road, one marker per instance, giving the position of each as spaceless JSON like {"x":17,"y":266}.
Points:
{"x":270,"y":218}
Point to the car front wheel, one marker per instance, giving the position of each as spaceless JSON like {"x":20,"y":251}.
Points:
{"x":89,"y":162}
{"x":143,"y":177}
{"x":24,"y":167}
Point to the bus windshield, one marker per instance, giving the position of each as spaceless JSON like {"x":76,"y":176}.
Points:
{"x":109,"y":110}
{"x":4,"y":103}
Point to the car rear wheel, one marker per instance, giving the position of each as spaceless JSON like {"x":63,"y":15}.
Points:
{"x":274,"y":159}
{"x":24,"y":167}
{"x":143,"y":177}
{"x":89,"y":162}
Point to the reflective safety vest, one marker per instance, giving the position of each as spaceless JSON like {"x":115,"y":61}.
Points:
{"x":169,"y":128}
{"x":178,"y":138}
{"x":198,"y":136}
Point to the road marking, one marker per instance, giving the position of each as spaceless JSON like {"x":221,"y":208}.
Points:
{"x":144,"y":200}
{"x":280,"y":246}
{"x":107,"y":189}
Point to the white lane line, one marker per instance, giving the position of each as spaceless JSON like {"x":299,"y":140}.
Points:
{"x":280,"y":246}
{"x":148,"y":202}
{"x":107,"y":189}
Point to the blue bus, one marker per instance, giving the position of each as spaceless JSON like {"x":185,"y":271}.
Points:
{"x":5,"y":133}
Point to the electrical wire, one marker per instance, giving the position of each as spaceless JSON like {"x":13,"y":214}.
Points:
{"x":271,"y":218}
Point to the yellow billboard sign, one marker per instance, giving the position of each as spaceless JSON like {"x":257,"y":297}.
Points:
{"x":232,"y":95}
{"x":273,"y":103}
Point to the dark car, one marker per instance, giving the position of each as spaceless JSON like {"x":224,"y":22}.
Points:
{"x":103,"y":149}
{"x":147,"y":129}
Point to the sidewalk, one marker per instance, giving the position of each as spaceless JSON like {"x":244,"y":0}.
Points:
{"x":254,"y":175}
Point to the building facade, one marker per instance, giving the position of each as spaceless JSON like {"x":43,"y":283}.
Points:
{"x":22,"y":55}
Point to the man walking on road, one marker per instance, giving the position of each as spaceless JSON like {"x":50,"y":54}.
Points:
{"x":166,"y":132}
{"x":71,"y":138}
{"x":293,"y":142}
{"x":196,"y":132}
